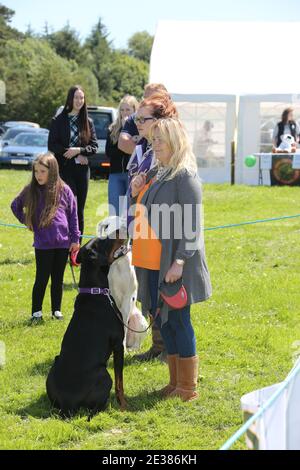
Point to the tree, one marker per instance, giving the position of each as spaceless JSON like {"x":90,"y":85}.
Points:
{"x":97,"y":57}
{"x":128,"y":75}
{"x":37,"y":80}
{"x":66,"y":42}
{"x":6,"y":31}
{"x":140,"y":46}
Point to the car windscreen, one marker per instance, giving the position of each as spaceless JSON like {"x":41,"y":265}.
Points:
{"x":12,"y":133}
{"x":101,"y":122}
{"x":33,"y":140}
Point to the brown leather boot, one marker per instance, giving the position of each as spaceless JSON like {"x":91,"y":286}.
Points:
{"x":186,"y":379}
{"x":156,"y":349}
{"x":172,"y":363}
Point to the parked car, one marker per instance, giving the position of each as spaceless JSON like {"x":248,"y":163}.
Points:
{"x":23,"y":150}
{"x":102,"y":118}
{"x":11,"y":133}
{"x":9,"y":124}
{"x":2,"y":129}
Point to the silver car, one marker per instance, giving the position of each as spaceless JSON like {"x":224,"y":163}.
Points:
{"x":24,"y":149}
{"x":11,"y":133}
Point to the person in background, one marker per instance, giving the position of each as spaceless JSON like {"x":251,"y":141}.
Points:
{"x":72,"y":138}
{"x":287,"y":125}
{"x":151,"y":109}
{"x":158,"y":257}
{"x":118,"y":178}
{"x":51,"y":213}
{"x":129,"y":136}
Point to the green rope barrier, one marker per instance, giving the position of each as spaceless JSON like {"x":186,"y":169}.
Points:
{"x":218,"y":227}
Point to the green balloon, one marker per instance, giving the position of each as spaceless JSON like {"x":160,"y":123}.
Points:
{"x":250,"y":161}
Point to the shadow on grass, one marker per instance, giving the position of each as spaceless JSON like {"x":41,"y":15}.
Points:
{"x":9,"y":325}
{"x":9,"y":261}
{"x":40,"y":408}
{"x":42,"y":368}
{"x":70,"y":287}
{"x":142,"y":402}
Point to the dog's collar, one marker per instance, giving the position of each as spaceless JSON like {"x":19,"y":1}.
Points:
{"x":122,"y":251}
{"x":94,"y":290}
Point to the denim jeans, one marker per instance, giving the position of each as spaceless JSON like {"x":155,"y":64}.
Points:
{"x":178,"y":333}
{"x":117,"y":187}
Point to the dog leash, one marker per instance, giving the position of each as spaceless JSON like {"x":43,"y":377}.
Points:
{"x":122,"y":251}
{"x":75,"y":285}
{"x":120,"y":318}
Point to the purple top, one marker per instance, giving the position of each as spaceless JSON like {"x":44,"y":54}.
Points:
{"x":63,"y":229}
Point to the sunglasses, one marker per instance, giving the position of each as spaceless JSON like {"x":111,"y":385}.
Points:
{"x":142,"y":120}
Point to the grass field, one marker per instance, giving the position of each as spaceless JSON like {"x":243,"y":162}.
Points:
{"x":246,"y":334}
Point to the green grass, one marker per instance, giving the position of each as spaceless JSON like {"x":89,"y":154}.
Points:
{"x":245,"y":333}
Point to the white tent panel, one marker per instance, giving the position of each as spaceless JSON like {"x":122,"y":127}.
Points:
{"x":207,"y":66}
{"x":210,"y":123}
{"x":225,"y":57}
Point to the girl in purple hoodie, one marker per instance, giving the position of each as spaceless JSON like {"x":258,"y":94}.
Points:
{"x":48,"y":208}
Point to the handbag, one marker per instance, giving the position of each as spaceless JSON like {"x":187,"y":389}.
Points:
{"x":173,"y":294}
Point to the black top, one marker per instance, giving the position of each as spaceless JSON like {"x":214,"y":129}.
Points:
{"x":118,"y":159}
{"x":60,"y":137}
{"x":130,"y":126}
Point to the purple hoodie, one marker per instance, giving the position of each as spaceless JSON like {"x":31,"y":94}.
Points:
{"x":63,"y":229}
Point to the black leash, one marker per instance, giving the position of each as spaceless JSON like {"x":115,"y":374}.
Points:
{"x":75,"y":285}
{"x":115,"y":308}
{"x":120,"y":318}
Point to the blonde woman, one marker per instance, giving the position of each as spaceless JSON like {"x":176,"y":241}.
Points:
{"x":162,"y":253}
{"x":118,"y":178}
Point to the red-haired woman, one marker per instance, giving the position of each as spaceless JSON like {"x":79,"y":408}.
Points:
{"x":72,"y":139}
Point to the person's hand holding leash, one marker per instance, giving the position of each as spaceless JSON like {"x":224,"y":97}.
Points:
{"x":138,"y":184}
{"x":74,"y":247}
{"x":174,"y":273}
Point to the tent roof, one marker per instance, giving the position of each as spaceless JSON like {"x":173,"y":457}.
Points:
{"x":194,"y":57}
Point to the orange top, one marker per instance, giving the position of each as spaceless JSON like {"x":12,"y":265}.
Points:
{"x":146,"y":247}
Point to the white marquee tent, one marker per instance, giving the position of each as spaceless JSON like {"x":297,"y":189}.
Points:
{"x":228,"y":76}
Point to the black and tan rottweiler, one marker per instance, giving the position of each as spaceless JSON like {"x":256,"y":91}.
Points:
{"x":78,"y":377}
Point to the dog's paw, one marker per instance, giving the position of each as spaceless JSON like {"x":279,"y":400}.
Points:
{"x":123,"y":404}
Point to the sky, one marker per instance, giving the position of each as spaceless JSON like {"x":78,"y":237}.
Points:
{"x":125,"y":17}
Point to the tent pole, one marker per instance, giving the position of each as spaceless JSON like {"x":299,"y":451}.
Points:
{"x":232,"y":162}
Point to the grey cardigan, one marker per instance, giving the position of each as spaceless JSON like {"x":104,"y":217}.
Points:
{"x":183,"y":189}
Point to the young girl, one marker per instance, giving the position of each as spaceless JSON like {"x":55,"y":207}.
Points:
{"x":51,"y":213}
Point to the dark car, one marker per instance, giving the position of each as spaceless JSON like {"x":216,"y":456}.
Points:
{"x":102,"y":118}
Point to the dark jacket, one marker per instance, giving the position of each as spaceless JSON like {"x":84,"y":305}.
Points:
{"x":118,"y":159}
{"x":281,"y":126}
{"x":59,"y":140}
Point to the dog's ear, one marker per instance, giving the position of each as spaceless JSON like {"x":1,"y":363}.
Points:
{"x":94,"y":251}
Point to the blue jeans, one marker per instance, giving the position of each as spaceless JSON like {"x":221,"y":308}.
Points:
{"x":117,"y":187}
{"x":177,"y":333}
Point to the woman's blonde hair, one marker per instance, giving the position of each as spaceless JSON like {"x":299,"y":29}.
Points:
{"x":53,"y":189}
{"x":174,"y":134}
{"x":116,"y":127}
